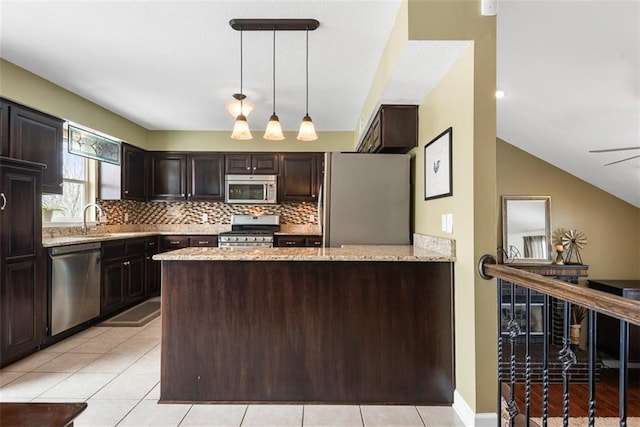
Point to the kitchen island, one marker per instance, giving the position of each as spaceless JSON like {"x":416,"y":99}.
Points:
{"x":358,"y":324}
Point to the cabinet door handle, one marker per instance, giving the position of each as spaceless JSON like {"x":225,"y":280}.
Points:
{"x":126,"y":263}
{"x":4,"y":202}
{"x":174,"y":242}
{"x":289,"y":242}
{"x":203,"y":242}
{"x":152,"y":243}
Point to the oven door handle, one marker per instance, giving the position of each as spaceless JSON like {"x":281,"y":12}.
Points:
{"x":265,"y":192}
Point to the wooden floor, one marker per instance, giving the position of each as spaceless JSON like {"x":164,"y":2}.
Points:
{"x":606,"y":396}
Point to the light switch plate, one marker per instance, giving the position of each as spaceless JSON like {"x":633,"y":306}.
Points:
{"x":449,"y":223}
{"x":443,"y":220}
{"x":205,"y":218}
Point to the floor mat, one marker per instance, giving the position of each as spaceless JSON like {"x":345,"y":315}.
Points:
{"x":139,"y":315}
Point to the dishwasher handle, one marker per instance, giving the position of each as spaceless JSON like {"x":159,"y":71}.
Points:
{"x":68,"y":249}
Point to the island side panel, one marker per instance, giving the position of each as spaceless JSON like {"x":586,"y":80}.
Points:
{"x":307,"y":331}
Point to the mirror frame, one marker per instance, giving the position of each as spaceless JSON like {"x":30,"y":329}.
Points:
{"x":547,"y":231}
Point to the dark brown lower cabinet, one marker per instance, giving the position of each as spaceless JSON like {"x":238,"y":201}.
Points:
{"x":307,"y":331}
{"x":123,"y":274}
{"x":151,"y":266}
{"x":22,"y":284}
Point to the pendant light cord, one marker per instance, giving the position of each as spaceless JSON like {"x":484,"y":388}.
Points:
{"x":241,"y":93}
{"x":274,"y":71}
{"x":307,"y":73}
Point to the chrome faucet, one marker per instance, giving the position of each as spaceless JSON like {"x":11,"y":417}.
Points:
{"x":84,"y":215}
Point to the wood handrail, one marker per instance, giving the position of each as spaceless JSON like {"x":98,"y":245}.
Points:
{"x":602,"y":302}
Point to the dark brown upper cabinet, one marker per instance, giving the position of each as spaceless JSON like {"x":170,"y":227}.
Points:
{"x":167,"y":176}
{"x":251,"y":163}
{"x":182,"y":176}
{"x":206,"y":177}
{"x":128,"y":180}
{"x":393,"y":129}
{"x":300,"y":177}
{"x":35,"y":137}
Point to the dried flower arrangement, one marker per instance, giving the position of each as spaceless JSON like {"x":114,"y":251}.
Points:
{"x":578,"y":314}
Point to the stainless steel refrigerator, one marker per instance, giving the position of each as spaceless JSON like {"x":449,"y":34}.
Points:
{"x":365,"y":199}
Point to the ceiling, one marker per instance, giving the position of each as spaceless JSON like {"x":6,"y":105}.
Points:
{"x":570,"y":69}
{"x":571,"y":75}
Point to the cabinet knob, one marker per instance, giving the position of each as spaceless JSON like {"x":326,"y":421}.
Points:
{"x":126,"y":191}
{"x":188,"y":194}
{"x":248,"y":168}
{"x":60,"y":185}
{"x":254,"y":168}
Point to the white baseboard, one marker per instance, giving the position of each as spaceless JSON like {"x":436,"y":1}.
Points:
{"x":469,"y":417}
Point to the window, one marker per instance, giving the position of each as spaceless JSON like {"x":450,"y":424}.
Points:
{"x":78,"y":187}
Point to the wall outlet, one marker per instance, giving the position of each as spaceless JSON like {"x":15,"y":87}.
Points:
{"x":312,"y":218}
{"x":205,"y":218}
{"x":126,"y":217}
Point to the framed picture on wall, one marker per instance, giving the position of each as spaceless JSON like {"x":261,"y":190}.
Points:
{"x":438,"y":173}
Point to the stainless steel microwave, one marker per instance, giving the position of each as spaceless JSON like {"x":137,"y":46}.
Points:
{"x":254,"y":189}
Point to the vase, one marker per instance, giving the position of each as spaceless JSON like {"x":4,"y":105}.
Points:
{"x":46,"y":216}
{"x":575,"y":334}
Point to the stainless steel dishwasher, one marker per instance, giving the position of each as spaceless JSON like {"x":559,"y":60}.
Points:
{"x":75,"y":285}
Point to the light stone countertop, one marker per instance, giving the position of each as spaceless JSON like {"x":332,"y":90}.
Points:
{"x":49,"y":242}
{"x":406,"y":253}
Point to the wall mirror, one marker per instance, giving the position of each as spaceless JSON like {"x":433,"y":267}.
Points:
{"x":526,"y":225}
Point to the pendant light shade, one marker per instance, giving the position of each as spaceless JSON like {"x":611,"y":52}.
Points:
{"x":241,"y":126}
{"x":274,"y":129}
{"x":238,"y":105}
{"x":241,"y":129}
{"x":307,"y":130}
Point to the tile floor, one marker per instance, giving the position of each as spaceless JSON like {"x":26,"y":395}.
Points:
{"x":117,"y":372}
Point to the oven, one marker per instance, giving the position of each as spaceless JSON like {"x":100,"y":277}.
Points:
{"x":254,"y":189}
{"x":250,"y":231}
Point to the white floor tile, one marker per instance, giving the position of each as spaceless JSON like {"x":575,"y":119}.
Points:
{"x":214,"y":416}
{"x":70,"y":362}
{"x":128,"y":386}
{"x":104,"y":413}
{"x":439,"y":416}
{"x":111,"y":362}
{"x":154,"y":394}
{"x":119,"y":332}
{"x":391,"y":416}
{"x":7,"y":376}
{"x":31,"y":385}
{"x":98,"y":345}
{"x":78,"y":386}
{"x":149,"y":413}
{"x":30,"y":363}
{"x":136,"y":345}
{"x":273,"y":415}
{"x":332,"y":415}
{"x":67,"y":344}
{"x":147,"y":364}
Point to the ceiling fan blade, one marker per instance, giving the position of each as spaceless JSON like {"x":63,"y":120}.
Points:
{"x":623,"y":160}
{"x":607,"y":150}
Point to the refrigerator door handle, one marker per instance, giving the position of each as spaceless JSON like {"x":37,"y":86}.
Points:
{"x":320,"y":207}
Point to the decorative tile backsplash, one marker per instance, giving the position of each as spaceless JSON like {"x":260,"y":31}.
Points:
{"x":184,"y":213}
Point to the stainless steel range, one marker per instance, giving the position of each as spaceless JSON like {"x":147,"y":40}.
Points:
{"x":250,"y":231}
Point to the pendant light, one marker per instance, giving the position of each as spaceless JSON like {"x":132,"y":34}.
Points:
{"x":274,"y":129}
{"x":241,"y":127}
{"x":307,"y":130}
